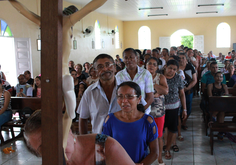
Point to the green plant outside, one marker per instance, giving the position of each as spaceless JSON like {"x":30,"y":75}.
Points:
{"x":187,"y":41}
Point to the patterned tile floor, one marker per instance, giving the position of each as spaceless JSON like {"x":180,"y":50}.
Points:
{"x":194,"y":150}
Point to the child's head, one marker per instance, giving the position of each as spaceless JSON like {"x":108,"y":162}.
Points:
{"x":218,"y":77}
{"x":37,"y":81}
{"x":82,"y":87}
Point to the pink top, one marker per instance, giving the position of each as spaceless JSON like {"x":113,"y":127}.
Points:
{"x":38,"y":92}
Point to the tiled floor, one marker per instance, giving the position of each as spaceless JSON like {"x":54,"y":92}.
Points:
{"x":194,"y":150}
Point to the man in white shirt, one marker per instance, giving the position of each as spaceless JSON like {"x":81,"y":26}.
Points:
{"x":23,"y":89}
{"x":99,"y":99}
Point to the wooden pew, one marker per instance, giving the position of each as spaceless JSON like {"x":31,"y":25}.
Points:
{"x":18,"y":103}
{"x":221,"y":104}
{"x":232,"y":92}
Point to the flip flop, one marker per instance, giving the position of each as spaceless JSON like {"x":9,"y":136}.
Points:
{"x":167,"y":155}
{"x":175,"y":148}
{"x":180,"y":138}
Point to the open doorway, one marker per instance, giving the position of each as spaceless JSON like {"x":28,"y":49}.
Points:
{"x":7,"y":53}
{"x":182,"y":37}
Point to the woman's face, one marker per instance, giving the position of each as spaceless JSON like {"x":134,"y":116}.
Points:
{"x":78,"y":69}
{"x":183,"y":60}
{"x":73,"y":74}
{"x":126,"y":99}
{"x":152,"y":66}
{"x":38,"y":82}
{"x":93,"y":72}
{"x":81,"y":88}
{"x":130,"y":59}
{"x":219,"y":77}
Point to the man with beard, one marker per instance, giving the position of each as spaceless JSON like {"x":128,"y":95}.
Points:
{"x":99,"y":99}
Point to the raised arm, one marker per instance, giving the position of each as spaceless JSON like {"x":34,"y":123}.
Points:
{"x":93,"y":5}
{"x":25,"y":12}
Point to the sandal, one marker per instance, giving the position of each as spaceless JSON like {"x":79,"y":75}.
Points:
{"x":184,"y":127}
{"x":167,"y":155}
{"x":175,"y":148}
{"x":180,"y":138}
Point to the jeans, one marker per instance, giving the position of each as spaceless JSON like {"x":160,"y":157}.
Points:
{"x":5,"y":117}
{"x":189,"y":99}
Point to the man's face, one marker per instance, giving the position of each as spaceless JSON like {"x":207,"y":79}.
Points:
{"x":229,"y":54}
{"x":71,"y":64}
{"x":156,"y":54}
{"x":220,"y":54}
{"x":214,"y":68}
{"x":172,"y":53}
{"x":105,"y":69}
{"x":190,"y":53}
{"x":130,"y":59}
{"x":22,"y":80}
{"x":164,"y":53}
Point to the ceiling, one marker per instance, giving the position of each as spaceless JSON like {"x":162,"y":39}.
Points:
{"x":128,"y":10}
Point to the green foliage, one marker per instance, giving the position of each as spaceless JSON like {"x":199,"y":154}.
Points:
{"x":187,"y":41}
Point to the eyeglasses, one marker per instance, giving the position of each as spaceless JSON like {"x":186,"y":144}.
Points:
{"x":107,"y":65}
{"x":127,"y":96}
{"x":154,"y":64}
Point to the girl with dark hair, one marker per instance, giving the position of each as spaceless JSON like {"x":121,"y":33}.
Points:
{"x":37,"y":87}
{"x":5,"y":105}
{"x":133,"y":129}
{"x":158,"y":106}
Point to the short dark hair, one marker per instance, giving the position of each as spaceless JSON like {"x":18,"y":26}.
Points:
{"x":175,"y":58}
{"x":166,"y":50}
{"x":213,"y":63}
{"x":218,"y":73}
{"x":129,"y":49}
{"x":172,"y":62}
{"x":158,"y":48}
{"x":155,"y":50}
{"x":101,"y":56}
{"x":138,"y":51}
{"x":174,"y":47}
{"x":152,"y":58}
{"x":189,"y":49}
{"x":233,"y":50}
{"x":137,"y":90}
{"x":85,"y":63}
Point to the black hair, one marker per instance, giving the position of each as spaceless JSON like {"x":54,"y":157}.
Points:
{"x":155,"y":50}
{"x":137,"y":90}
{"x":85,"y":86}
{"x":152,"y":58}
{"x":35,"y":87}
{"x":166,"y":50}
{"x":28,"y":72}
{"x":218,"y":73}
{"x":185,"y":47}
{"x":213,"y":63}
{"x":101,"y":56}
{"x":172,"y":62}
{"x":175,"y":58}
{"x":85,"y":63}
{"x":129,"y":49}
{"x":0,"y":81}
{"x":233,"y":50}
{"x":70,"y":10}
{"x":189,"y":49}
{"x":144,"y":50}
{"x":138,"y":51}
{"x":158,"y":48}
{"x":174,"y":48}
{"x":147,"y":55}
{"x":72,"y":70}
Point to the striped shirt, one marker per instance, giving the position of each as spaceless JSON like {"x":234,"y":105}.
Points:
{"x":2,"y":101}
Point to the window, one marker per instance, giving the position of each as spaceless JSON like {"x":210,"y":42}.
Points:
{"x":223,"y":35}
{"x":97,"y":35}
{"x":144,"y":38}
{"x":117,"y":39}
{"x":5,"y":30}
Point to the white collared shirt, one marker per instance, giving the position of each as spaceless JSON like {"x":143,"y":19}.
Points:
{"x":94,"y":104}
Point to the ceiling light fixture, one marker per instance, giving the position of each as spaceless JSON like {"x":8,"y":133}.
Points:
{"x":218,"y":4}
{"x":157,"y":15}
{"x":207,"y":12}
{"x":147,"y":8}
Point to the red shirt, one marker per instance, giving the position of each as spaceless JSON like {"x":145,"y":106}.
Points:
{"x":228,"y":57}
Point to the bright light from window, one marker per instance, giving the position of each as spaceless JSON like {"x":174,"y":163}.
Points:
{"x":97,"y":35}
{"x":117,"y":38}
{"x":175,"y":38}
{"x":223,"y":35}
{"x":144,"y":37}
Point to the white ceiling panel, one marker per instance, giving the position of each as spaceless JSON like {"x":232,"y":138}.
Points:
{"x":128,"y":10}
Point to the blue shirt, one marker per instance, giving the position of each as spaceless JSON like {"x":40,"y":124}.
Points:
{"x":207,"y":78}
{"x":134,"y":137}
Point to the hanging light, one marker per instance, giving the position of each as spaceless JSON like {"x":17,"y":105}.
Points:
{"x":38,"y":42}
{"x":74,"y":44}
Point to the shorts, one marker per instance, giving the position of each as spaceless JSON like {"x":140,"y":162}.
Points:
{"x":171,"y":120}
{"x":160,"y":125}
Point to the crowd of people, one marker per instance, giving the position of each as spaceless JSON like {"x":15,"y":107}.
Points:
{"x":138,"y":100}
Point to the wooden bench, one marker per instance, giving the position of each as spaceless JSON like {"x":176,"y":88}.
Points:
{"x":232,"y":92}
{"x":18,"y":103}
{"x":225,"y":104}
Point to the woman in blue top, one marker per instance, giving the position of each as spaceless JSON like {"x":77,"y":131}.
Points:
{"x":133,"y":129}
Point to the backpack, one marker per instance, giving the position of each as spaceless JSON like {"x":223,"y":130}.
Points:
{"x":24,"y":114}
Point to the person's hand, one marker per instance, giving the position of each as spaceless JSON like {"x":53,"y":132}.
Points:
{"x":186,"y":89}
{"x":184,"y":115}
